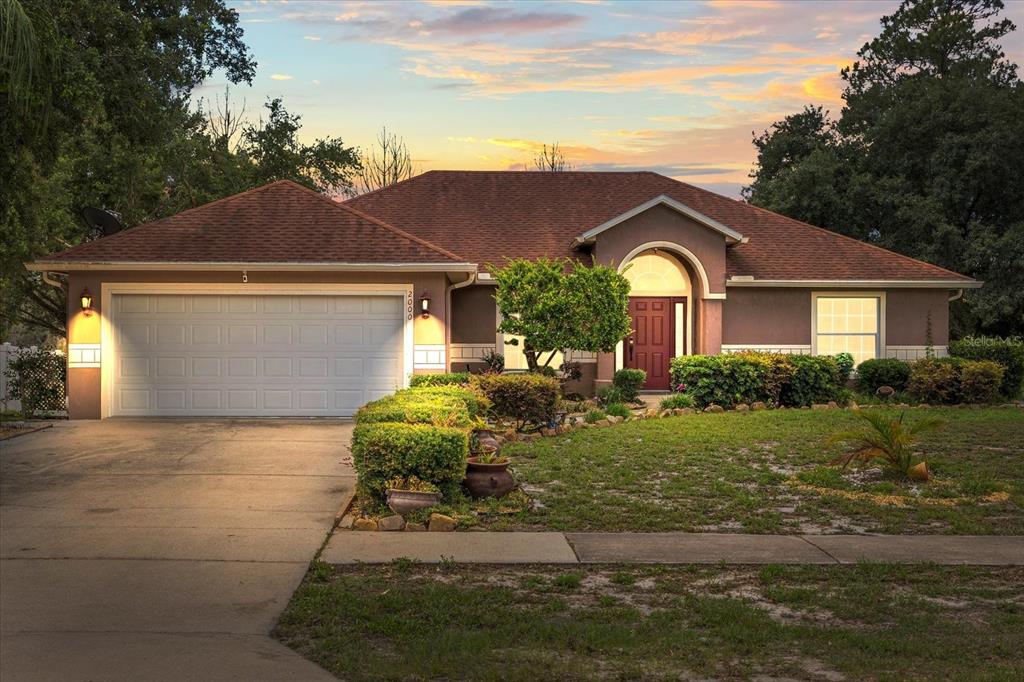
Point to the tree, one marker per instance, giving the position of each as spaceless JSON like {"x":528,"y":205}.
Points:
{"x":551,"y":159}
{"x":556,"y":305}
{"x":273,"y":148}
{"x":107,"y":119}
{"x":386,"y":163}
{"x":924,"y":158}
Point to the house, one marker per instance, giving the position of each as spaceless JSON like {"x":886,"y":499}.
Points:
{"x":280,"y":301}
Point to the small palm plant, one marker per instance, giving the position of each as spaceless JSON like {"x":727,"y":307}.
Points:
{"x":887,"y":439}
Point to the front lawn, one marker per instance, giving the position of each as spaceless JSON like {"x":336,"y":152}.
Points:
{"x":769,"y":472}
{"x":405,"y":621}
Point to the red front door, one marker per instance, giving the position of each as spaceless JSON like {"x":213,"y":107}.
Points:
{"x":650,"y":345}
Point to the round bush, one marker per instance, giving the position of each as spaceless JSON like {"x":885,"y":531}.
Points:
{"x":871,"y":374}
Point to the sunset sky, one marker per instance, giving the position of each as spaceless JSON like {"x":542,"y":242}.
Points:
{"x":672,"y":87}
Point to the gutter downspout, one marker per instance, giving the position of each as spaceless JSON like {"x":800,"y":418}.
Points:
{"x":957,"y":296}
{"x":52,"y":282}
{"x":448,"y":316}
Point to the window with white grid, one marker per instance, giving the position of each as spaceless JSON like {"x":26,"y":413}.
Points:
{"x":847,"y":324}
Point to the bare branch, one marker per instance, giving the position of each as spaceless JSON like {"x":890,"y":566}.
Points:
{"x":388,"y":162}
{"x":552,"y":160}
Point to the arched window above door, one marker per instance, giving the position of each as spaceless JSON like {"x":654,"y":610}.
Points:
{"x":655,"y":273}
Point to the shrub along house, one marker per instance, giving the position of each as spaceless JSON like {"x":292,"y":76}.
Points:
{"x":280,"y":301}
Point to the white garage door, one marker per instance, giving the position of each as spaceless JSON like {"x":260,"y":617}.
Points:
{"x":267,"y":355}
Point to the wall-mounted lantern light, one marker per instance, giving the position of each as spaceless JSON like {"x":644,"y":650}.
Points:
{"x":86,"y":302}
{"x":425,"y":303}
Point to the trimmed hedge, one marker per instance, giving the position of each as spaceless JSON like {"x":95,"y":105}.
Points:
{"x":629,"y":382}
{"x":451,"y":378}
{"x":1007,"y":352}
{"x":791,"y":380}
{"x":475,"y":401}
{"x":435,"y":454}
{"x":527,"y":398}
{"x":955,"y":380}
{"x":873,"y":374}
{"x":410,"y":409}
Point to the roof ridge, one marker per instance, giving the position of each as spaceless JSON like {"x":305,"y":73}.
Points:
{"x":377,"y":221}
{"x":393,"y":184}
{"x":816,"y":228}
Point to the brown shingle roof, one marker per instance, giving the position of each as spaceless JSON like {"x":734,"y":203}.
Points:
{"x":282,"y":222}
{"x":488,"y":216}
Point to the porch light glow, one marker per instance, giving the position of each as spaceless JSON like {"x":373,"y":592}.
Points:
{"x":86,"y":301}
{"x":425,"y":303}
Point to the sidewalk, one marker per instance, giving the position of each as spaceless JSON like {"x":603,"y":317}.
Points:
{"x":349,"y":547}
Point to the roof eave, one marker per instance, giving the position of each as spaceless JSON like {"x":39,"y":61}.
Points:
{"x":70,"y":266}
{"x":857,"y":283}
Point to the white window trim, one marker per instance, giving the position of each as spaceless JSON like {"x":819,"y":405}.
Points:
{"x":880,"y":295}
{"x":109,"y":289}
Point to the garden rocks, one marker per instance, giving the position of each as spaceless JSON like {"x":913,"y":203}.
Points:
{"x":415,"y":527}
{"x":714,"y":409}
{"x":547,"y":433}
{"x":758,"y":406}
{"x":822,"y":406}
{"x":613,"y":419}
{"x":742,"y":407}
{"x":364,"y":524}
{"x":680,"y":411}
{"x":440,"y":523}
{"x":393,"y":522}
{"x":602,"y":422}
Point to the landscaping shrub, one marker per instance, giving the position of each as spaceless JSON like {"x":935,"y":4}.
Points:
{"x":418,"y":380}
{"x":629,"y":382}
{"x":954,"y":380}
{"x":845,"y":362}
{"x":794,"y":380}
{"x":381,"y":452}
{"x":38,"y":378}
{"x":934,"y":381}
{"x":871,"y":374}
{"x":817,"y":379}
{"x":526,"y":398}
{"x":677,"y":401}
{"x":594,"y":416}
{"x":476,"y":403}
{"x":408,"y":408}
{"x":719,"y":379}
{"x":1007,"y":352}
{"x":608,"y":395}
{"x":618,"y":410}
{"x":981,"y":381}
{"x":495,"y":362}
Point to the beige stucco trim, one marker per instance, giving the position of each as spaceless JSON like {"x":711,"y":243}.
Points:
{"x":662,"y":200}
{"x":109,"y":350}
{"x":68,"y":266}
{"x":815,"y":295}
{"x":855,"y":283}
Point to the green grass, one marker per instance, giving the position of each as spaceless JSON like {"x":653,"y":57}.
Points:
{"x":768,"y":472}
{"x":658,"y":623}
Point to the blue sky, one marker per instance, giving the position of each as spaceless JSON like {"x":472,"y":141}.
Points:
{"x":673,"y":87}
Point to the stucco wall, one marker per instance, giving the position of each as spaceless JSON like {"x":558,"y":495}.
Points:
{"x":906,"y":316}
{"x":663,"y":224}
{"x":473,"y":314}
{"x":783,"y":316}
{"x":84,"y":383}
{"x":767,"y":316}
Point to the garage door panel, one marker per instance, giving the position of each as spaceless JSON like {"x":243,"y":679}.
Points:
{"x":255,"y":355}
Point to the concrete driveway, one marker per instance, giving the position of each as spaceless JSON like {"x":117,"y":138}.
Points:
{"x":151,"y":550}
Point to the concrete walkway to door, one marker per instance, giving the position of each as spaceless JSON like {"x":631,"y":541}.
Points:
{"x":162,"y":549}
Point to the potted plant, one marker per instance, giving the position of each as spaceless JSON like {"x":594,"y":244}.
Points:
{"x":487,"y":474}
{"x":407,"y":494}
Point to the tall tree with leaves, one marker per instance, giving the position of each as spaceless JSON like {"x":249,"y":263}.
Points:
{"x":925,"y":157}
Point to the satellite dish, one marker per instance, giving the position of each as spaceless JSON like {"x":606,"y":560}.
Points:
{"x":103,"y":221}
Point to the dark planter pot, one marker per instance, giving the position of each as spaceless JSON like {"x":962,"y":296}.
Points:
{"x":488,"y":480}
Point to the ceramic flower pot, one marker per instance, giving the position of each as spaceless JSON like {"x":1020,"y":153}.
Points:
{"x":488,"y":480}
{"x":919,"y":472}
{"x":404,"y":501}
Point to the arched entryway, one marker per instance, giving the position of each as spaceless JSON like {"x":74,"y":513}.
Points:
{"x":661,"y":308}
